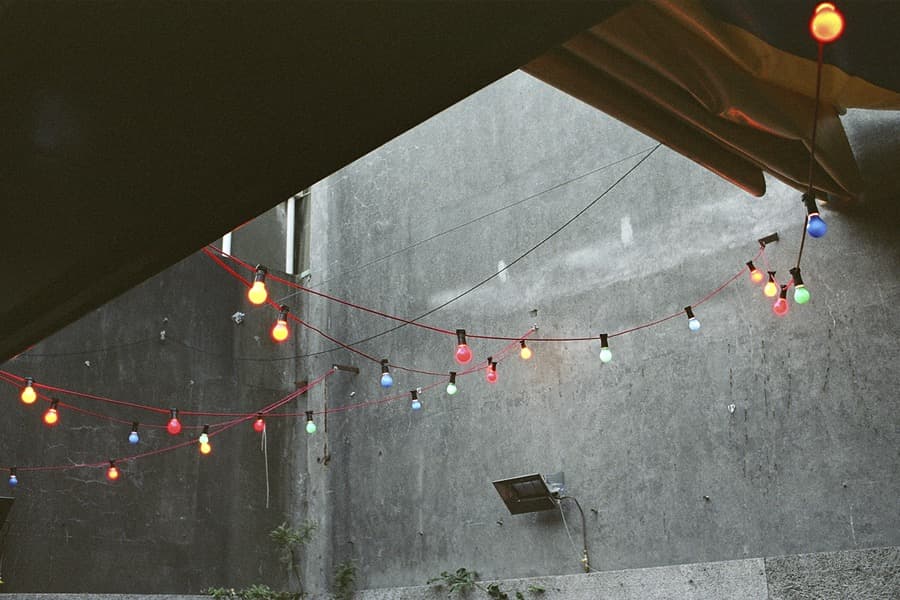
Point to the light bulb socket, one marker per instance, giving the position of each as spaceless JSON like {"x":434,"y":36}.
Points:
{"x":522,"y":344}
{"x":134,"y":426}
{"x":751,"y":266}
{"x":54,"y":404}
{"x":260,"y":274}
{"x":112,"y":464}
{"x":604,"y":340}
{"x":384,"y":366}
{"x":29,"y":381}
{"x":414,"y":394}
{"x":452,"y":377}
{"x":12,"y":471}
{"x":461,"y":337}
{"x":173,"y":413}
{"x":689,"y":312}
{"x":795,"y":275}
{"x":783,"y":294}
{"x":309,"y":416}
{"x":490,"y":360}
{"x":493,"y":366}
{"x":771,"y":276}
{"x":283,"y":311}
{"x":205,"y":430}
{"x":809,"y":200}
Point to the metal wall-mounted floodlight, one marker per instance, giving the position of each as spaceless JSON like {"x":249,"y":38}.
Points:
{"x":530,"y":493}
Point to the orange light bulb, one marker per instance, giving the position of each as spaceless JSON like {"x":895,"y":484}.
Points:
{"x":827,"y":23}
{"x":51,"y":417}
{"x":205,"y":448}
{"x":112,"y":473}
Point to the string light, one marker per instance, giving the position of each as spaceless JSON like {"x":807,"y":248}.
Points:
{"x":416,"y":403}
{"x":491,"y":373}
{"x":387,"y":380}
{"x":280,"y":330}
{"x":801,"y":293}
{"x":259,"y":425}
{"x":524,"y":352}
{"x":205,"y":448}
{"x":605,"y":352}
{"x":827,"y":23}
{"x":693,"y":322}
{"x":258,"y":293}
{"x":28,"y":394}
{"x":13,"y":479}
{"x":815,"y":226}
{"x":771,"y":287}
{"x":310,"y":424}
{"x":756,"y":276}
{"x":174,"y":425}
{"x":51,"y":417}
{"x":780,"y":307}
{"x":112,"y":473}
{"x":133,"y":437}
{"x":451,"y":385}
{"x":463,"y":354}
{"x":204,"y":436}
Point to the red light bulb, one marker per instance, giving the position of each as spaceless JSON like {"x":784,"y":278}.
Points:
{"x":174,"y":425}
{"x":781,"y":306}
{"x":112,"y":473}
{"x":259,"y":425}
{"x":491,"y":373}
{"x":463,"y":353}
{"x":827,"y":23}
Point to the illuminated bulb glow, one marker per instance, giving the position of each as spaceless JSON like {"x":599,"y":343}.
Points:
{"x":451,"y":385}
{"x":258,"y":293}
{"x":605,"y":352}
{"x":416,"y":403}
{"x":133,"y":437}
{"x":205,"y":448}
{"x":112,"y":473}
{"x":51,"y":417}
{"x":387,"y":380}
{"x":280,"y":330}
{"x":28,"y":394}
{"x":491,"y":373}
{"x":259,"y":425}
{"x":310,"y":424}
{"x":780,"y":307}
{"x":525,"y":352}
{"x":756,"y":276}
{"x":771,"y":287}
{"x":13,"y":479}
{"x":463,"y":354}
{"x":174,"y":425}
{"x":204,"y":437}
{"x":827,"y":23}
{"x":693,"y":322}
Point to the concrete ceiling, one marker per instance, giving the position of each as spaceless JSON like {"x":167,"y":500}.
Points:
{"x":132,"y":135}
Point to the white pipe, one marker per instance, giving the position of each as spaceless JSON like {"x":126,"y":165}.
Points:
{"x":291,"y":219}
{"x":226,"y":243}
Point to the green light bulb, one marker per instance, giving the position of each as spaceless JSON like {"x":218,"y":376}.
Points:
{"x":451,"y":388}
{"x":801,"y":294}
{"x":310,"y":427}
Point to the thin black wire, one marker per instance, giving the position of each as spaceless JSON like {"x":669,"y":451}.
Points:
{"x":585,"y":556}
{"x":492,"y":276}
{"x":469,"y":222}
{"x":28,"y":354}
{"x":812,"y":147}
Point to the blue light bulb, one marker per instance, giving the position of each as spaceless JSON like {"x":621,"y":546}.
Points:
{"x":693,"y":324}
{"x":386,"y":380}
{"x":416,"y":404}
{"x":815,"y":226}
{"x":133,"y":437}
{"x":13,"y":481}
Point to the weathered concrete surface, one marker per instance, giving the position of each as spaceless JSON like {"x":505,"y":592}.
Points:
{"x":806,"y":461}
{"x":871,"y":574}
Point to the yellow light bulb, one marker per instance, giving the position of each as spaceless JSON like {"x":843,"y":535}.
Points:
{"x":280,"y":330}
{"x":28,"y":395}
{"x":257,"y":293}
{"x":205,"y":448}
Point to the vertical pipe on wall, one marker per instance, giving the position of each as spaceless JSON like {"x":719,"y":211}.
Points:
{"x":289,"y":232}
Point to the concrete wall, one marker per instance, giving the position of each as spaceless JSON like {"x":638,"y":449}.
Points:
{"x":667,"y":474}
{"x":177,"y":522}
